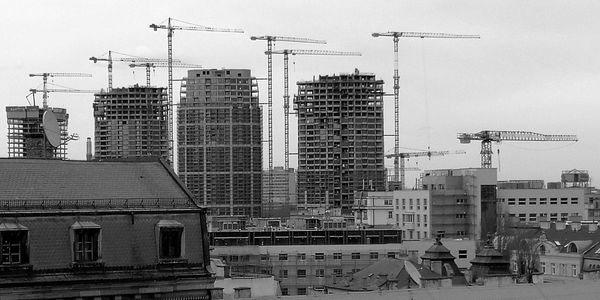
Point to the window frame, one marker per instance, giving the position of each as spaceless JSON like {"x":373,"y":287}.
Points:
{"x":23,"y":244}
{"x":169,"y":226}
{"x":85,"y":227}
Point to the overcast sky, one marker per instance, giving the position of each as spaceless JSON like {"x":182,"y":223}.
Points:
{"x":535,"y":68}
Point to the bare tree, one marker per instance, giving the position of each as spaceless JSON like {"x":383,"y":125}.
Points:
{"x":519,"y":245}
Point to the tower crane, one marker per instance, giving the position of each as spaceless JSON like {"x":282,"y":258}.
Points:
{"x":149,"y":65}
{"x":286,"y":93}
{"x":131,"y":59}
{"x":396,"y":35}
{"x":270,"y":40}
{"x":32,"y":92}
{"x":488,"y":136}
{"x":170,"y":30}
{"x":45,"y":82}
{"x":404,"y":155}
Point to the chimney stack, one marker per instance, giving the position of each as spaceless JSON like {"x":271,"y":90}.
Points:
{"x":89,"y":149}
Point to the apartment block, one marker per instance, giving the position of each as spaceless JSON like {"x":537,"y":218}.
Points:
{"x":219,"y":140}
{"x":463,"y":201}
{"x":26,"y":137}
{"x":131,"y":122}
{"x":340,"y":139}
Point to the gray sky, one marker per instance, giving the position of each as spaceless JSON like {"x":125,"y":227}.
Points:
{"x":535,"y":68}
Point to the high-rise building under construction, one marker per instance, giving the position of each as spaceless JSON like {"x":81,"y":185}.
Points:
{"x":340,"y":139}
{"x":131,"y":122}
{"x":219,"y":139}
{"x":26,"y":136}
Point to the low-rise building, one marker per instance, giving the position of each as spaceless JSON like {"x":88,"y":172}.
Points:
{"x":100,"y":230}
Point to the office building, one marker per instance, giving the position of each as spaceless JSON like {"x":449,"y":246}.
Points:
{"x":463,"y":202}
{"x":283,"y":193}
{"x":219,"y":140}
{"x":26,"y":136}
{"x":340,"y":139}
{"x":131,"y":122}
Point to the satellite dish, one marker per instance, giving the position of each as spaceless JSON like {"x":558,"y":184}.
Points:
{"x":51,"y":129}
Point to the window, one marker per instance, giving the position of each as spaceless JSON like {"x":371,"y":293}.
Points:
{"x":460,"y":201}
{"x":14,"y":244}
{"x":461,"y":233}
{"x":564,"y":216}
{"x":543,"y":265}
{"x":553,"y":216}
{"x":283,"y":273}
{"x":390,"y":214}
{"x":564,"y":200}
{"x":337,"y":255}
{"x":543,"y":201}
{"x":462,"y":253}
{"x":387,"y":202}
{"x":522,"y":217}
{"x":553,"y":200}
{"x":319,"y":256}
{"x":301,"y":273}
{"x":374,"y":255}
{"x":461,"y":216}
{"x":511,"y":201}
{"x":553,"y":268}
{"x":522,"y":201}
{"x":403,"y":204}
{"x":425,"y":204}
{"x":302,"y":291}
{"x":86,"y":242}
{"x":302,"y":256}
{"x":574,"y":270}
{"x":574,"y":200}
{"x":264,"y":257}
{"x":355,"y":255}
{"x":337,"y":272}
{"x":320,"y":272}
{"x":410,"y":204}
{"x":425,"y":220}
{"x":391,"y":254}
{"x":532,"y":201}
{"x":283,"y":256}
{"x":418,"y":204}
{"x":543,"y":216}
{"x":284,"y":291}
{"x":532,"y":217}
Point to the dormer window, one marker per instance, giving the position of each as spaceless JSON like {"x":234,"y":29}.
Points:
{"x":87,"y":242}
{"x":14,"y":244}
{"x":171,"y":240}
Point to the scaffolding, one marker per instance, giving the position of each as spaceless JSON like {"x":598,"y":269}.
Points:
{"x":131,"y":122}
{"x":219,"y":140}
{"x":340,"y":139}
{"x":26,"y":138}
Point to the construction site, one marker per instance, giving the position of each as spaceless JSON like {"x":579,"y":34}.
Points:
{"x":26,"y":136}
{"x":131,"y":122}
{"x":340,"y":139}
{"x":219,"y":140}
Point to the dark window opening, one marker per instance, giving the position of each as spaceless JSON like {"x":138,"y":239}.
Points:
{"x":170,"y":242}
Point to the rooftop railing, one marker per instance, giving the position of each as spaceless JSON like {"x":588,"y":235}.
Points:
{"x":115,"y":203}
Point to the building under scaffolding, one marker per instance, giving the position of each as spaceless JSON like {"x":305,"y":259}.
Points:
{"x":26,"y":137}
{"x":219,"y":140}
{"x":131,"y":122}
{"x":340,"y":139}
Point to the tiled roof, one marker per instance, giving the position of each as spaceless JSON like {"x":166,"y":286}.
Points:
{"x":31,"y":179}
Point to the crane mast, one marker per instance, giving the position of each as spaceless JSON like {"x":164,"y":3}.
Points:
{"x":45,"y":82}
{"x":488,"y":136}
{"x":170,"y":29}
{"x":396,"y":35}
{"x":404,"y":155}
{"x":270,"y":39}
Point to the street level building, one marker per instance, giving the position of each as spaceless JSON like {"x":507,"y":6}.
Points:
{"x":463,"y":201}
{"x":100,"y":230}
{"x":219,"y":141}
{"x":26,"y":136}
{"x":131,"y":122}
{"x":340,"y":139}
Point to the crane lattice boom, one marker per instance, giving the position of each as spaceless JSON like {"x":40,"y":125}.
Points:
{"x":434,"y":35}
{"x":148,"y":65}
{"x":45,"y":82}
{"x":488,"y":136}
{"x":314,"y":52}
{"x":287,"y":39}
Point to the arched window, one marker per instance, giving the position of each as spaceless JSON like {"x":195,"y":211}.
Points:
{"x":542,"y":250}
{"x":572,"y":248}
